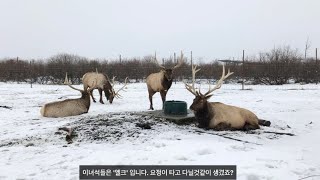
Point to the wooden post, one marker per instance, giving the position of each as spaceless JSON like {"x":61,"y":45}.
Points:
{"x":155,"y":55}
{"x":317,"y":69}
{"x":191,"y":59}
{"x":30,"y":70}
{"x":175,"y":61}
{"x":242,"y":69}
{"x":120,"y":58}
{"x":18,"y":69}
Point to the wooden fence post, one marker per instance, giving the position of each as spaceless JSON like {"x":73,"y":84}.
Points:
{"x":191,"y":59}
{"x":242,"y":69}
{"x":317,"y":69}
{"x":30,"y":70}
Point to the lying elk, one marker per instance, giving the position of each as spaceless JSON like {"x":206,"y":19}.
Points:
{"x":103,"y":83}
{"x":161,"y":81}
{"x":68,"y":107}
{"x":219,"y":116}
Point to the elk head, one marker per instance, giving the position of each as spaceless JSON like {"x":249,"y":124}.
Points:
{"x":169,"y":71}
{"x":200,"y":100}
{"x":112,"y":92}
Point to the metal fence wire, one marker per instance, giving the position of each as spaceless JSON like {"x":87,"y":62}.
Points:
{"x":247,"y":73}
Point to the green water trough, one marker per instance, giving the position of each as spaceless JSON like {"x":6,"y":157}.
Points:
{"x":174,"y":111}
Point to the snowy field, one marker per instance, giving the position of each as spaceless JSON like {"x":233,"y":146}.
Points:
{"x":31,"y":147}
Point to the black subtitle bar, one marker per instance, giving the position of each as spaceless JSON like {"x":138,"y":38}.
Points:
{"x":223,"y":172}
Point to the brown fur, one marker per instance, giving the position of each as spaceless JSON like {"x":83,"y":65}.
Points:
{"x":219,"y":116}
{"x":103,"y":84}
{"x":68,"y":107}
{"x":159,"y":82}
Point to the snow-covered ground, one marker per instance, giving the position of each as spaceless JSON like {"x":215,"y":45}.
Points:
{"x":31,"y":147}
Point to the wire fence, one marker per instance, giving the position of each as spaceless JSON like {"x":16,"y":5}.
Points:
{"x":210,"y":76}
{"x":279,"y":67}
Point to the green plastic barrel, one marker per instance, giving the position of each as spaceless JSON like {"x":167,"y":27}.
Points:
{"x":175,"y":108}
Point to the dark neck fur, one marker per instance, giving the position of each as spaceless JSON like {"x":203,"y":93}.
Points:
{"x":204,"y":116}
{"x":86,"y":99}
{"x":106,"y":88}
{"x":166,"y":84}
{"x":107,"y":93}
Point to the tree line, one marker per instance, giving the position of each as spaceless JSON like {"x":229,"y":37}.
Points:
{"x":275,"y":67}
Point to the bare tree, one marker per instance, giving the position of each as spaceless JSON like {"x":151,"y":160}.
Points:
{"x":276,"y":66}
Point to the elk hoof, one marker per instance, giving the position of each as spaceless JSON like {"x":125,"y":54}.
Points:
{"x":101,"y":102}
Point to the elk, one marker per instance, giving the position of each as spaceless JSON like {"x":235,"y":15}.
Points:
{"x":161,"y":81}
{"x":103,"y":83}
{"x":68,"y":107}
{"x":219,"y":116}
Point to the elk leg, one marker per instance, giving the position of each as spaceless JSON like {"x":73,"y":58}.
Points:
{"x":100,"y":92}
{"x":223,"y":127}
{"x":163,"y":97}
{"x":91,"y":93}
{"x":264,"y":122}
{"x":248,"y":127}
{"x":150,"y":99}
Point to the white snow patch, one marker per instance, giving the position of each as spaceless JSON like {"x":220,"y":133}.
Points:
{"x":31,"y":149}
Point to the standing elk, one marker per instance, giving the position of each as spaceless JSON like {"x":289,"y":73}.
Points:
{"x":161,"y":81}
{"x":68,"y":107}
{"x":219,"y":116}
{"x":103,"y":83}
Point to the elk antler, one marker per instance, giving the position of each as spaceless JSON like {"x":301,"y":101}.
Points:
{"x":112,"y":84}
{"x":156,"y":61}
{"x":180,"y":62}
{"x":68,"y":82}
{"x":220,"y":82}
{"x":116,"y":94}
{"x":191,"y":88}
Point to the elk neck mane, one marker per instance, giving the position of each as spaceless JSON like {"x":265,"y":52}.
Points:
{"x":85,"y":97}
{"x":204,"y":115}
{"x":166,"y":84}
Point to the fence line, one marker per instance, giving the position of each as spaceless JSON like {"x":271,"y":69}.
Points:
{"x":274,"y":68}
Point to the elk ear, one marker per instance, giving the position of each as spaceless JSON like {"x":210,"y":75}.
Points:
{"x":209,"y":96}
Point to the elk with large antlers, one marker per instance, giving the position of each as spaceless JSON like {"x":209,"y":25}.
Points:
{"x":161,"y":81}
{"x":68,"y":107}
{"x":219,"y":116}
{"x":103,"y":83}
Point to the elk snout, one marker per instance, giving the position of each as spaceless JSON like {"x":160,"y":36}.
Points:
{"x":110,"y":98}
{"x":168,"y":74}
{"x":192,"y":108}
{"x":169,"y":77}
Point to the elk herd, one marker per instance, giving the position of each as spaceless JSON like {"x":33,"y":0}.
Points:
{"x":73,"y":107}
{"x":209,"y":115}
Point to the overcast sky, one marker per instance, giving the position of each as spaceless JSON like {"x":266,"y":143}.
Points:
{"x":106,"y":28}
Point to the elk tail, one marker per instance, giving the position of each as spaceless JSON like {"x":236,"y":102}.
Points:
{"x":264,"y":122}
